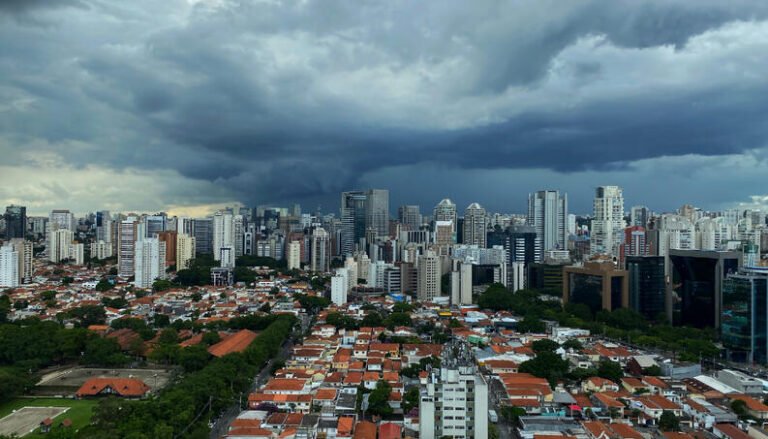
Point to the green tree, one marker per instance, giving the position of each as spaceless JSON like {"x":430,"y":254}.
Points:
{"x":104,"y":285}
{"x":411,"y":399}
{"x":372,"y":320}
{"x":668,"y":421}
{"x":610,"y":370}
{"x":162,"y":285}
{"x":531,"y":325}
{"x":574,"y":344}
{"x":88,"y":315}
{"x":103,"y":352}
{"x":544,"y":345}
{"x":547,"y":365}
{"x":739,"y":407}
{"x":378,"y":400}
{"x":211,"y":338}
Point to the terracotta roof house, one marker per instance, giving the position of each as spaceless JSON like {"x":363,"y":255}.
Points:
{"x":124,"y":387}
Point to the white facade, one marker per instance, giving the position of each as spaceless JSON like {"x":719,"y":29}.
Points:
{"x":428,"y":276}
{"x":9,"y":266}
{"x":58,"y":242}
{"x":127,"y":234}
{"x":608,"y":224}
{"x":339,"y":287}
{"x":445,"y":211}
{"x":150,"y":262}
{"x":101,"y":249}
{"x":548,"y":215}
{"x":518,"y":276}
{"x":475,"y":225}
{"x":454,"y":404}
{"x":294,"y":255}
{"x":223,"y":233}
{"x":63,"y":219}
{"x":25,"y":250}
{"x":675,"y":233}
{"x":461,"y":283}
{"x":76,"y":253}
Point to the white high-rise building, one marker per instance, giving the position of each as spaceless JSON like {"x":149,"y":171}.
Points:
{"x":58,"y":242}
{"x":149,"y":263}
{"x":608,"y":223}
{"x":446,"y":211}
{"x":548,"y":215}
{"x":340,"y":286}
{"x":319,"y":258}
{"x":675,"y":233}
{"x":475,"y":225}
{"x":223,"y":233}
{"x":238,"y":233}
{"x":25,"y":250}
{"x":64,"y":219}
{"x":461,"y":283}
{"x":639,"y":216}
{"x":185,"y":250}
{"x":294,"y":255}
{"x":9,"y":266}
{"x":454,"y":403}
{"x":428,"y":276}
{"x":101,"y":249}
{"x":76,"y":253}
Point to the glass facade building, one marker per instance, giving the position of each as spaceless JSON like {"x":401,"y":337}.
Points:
{"x":647,"y":285}
{"x":744,"y":325}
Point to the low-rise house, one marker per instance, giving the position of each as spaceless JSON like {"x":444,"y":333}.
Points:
{"x":122,"y":387}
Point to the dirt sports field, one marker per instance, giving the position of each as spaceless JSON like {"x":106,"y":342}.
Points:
{"x":27,"y":419}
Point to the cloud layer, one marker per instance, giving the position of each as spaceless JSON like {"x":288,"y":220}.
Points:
{"x":282,"y":101}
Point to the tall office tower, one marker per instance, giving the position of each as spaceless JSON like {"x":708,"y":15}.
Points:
{"x":377,"y":212}
{"x":446,"y":211}
{"x":697,"y":280}
{"x":353,"y":220}
{"x":101,"y":250}
{"x":150,"y":262}
{"x":63,"y":218}
{"x":454,"y":403}
{"x":15,"y":222}
{"x":647,"y":285}
{"x":127,"y":235}
{"x":461,"y":283}
{"x":25,"y":250}
{"x":409,"y":216}
{"x":294,"y":255}
{"x":319,"y":251}
{"x":340,"y":286}
{"x":202,"y":230}
{"x":169,"y":237}
{"x":475,"y":225}
{"x":548,"y":214}
{"x":223,"y":234}
{"x":608,"y":222}
{"x":103,"y":226}
{"x":155,"y":224}
{"x":571,"y":224}
{"x":743,"y":329}
{"x":639,"y":216}
{"x":58,"y":243}
{"x":688,"y":211}
{"x":9,"y":266}
{"x":444,"y":236}
{"x":238,"y":233}
{"x":185,"y":250}
{"x":428,"y":276}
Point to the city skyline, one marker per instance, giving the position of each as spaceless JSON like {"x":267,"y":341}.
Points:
{"x":296,"y":102}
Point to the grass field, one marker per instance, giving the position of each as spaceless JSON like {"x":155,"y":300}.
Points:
{"x":80,"y":411}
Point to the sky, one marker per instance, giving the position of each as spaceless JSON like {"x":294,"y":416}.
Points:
{"x":189,"y":105}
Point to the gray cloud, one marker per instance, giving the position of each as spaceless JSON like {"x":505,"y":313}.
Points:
{"x":292,"y":100}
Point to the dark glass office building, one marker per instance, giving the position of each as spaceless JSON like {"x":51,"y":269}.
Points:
{"x":597,"y":285}
{"x":697,"y":281}
{"x":744,"y":322}
{"x":15,"y":222}
{"x":647,"y":285}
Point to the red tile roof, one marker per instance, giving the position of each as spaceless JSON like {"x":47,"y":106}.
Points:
{"x":128,"y":387}
{"x":237,"y":342}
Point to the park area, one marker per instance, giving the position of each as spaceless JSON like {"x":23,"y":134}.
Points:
{"x":22,"y":416}
{"x":65,"y":382}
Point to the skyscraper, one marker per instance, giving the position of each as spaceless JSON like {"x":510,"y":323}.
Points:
{"x":149,"y":262}
{"x":548,"y":214}
{"x":63,"y":218}
{"x":127,"y":234}
{"x":357,"y":216}
{"x":15,"y":222}
{"x":608,"y":223}
{"x":9,"y":266}
{"x":428,"y":275}
{"x":475,"y":225}
{"x":58,"y":242}
{"x":377,"y":212}
{"x":647,"y":285}
{"x":223,"y":234}
{"x":185,"y":250}
{"x":446,"y":211}
{"x":639,"y":216}
{"x":409,"y":216}
{"x":294,"y":255}
{"x":202,"y":230}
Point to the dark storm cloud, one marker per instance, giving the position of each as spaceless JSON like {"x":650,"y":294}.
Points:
{"x":294,"y":100}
